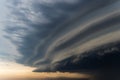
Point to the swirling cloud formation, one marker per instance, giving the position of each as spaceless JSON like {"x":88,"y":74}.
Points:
{"x":64,"y":35}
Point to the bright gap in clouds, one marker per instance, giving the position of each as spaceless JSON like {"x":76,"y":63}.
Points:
{"x":14,"y":71}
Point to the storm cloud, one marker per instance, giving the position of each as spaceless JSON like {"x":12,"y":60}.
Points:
{"x":64,"y":35}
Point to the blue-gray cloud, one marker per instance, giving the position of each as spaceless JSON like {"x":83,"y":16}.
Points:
{"x":49,"y":32}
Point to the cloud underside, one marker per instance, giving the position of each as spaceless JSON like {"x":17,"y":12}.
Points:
{"x":101,"y":58}
{"x":65,"y":35}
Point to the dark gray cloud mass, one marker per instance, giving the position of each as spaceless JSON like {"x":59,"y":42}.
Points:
{"x":65,"y":35}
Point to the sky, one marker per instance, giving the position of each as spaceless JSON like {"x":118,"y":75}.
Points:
{"x":9,"y":68}
{"x":58,"y":38}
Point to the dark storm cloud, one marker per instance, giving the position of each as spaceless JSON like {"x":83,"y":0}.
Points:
{"x":51,"y":34}
{"x":100,"y":58}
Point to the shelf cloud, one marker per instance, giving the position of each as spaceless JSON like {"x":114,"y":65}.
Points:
{"x":64,"y":35}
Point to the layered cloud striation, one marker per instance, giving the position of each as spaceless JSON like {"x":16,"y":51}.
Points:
{"x":64,"y":35}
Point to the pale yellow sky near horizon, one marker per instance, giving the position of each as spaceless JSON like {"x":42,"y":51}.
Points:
{"x":13,"y":70}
